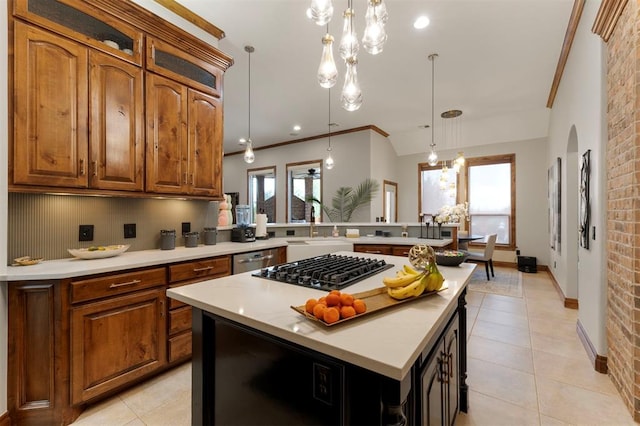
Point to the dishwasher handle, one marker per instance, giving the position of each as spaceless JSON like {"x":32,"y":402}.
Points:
{"x":255,"y":259}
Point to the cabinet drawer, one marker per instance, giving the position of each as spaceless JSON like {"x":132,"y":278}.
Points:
{"x":110,"y":285}
{"x":200,"y":269}
{"x":372,"y":248}
{"x":401,"y":250}
{"x":180,"y":319}
{"x":180,"y":346}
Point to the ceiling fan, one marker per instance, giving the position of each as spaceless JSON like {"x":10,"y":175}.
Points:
{"x":310,"y":173}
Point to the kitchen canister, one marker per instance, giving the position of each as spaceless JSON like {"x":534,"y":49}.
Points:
{"x":210,"y":236}
{"x":191,"y":239}
{"x":167,"y":239}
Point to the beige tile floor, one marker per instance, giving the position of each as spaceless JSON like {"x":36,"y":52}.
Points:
{"x":526,"y":366}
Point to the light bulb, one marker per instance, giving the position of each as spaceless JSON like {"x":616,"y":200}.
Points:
{"x":349,"y":45}
{"x":320,"y":11}
{"x":456,"y":166}
{"x":249,"y":156}
{"x":374,"y":32}
{"x":432,"y":159}
{"x":327,"y":71}
{"x":351,"y":98}
{"x":328,"y":162}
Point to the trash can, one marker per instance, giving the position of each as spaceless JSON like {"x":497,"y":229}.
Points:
{"x":527,"y":264}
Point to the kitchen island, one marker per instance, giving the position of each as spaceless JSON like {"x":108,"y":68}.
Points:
{"x":257,"y":360}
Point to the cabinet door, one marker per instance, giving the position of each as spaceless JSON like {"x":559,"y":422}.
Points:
{"x":372,"y":248}
{"x":453,"y":387}
{"x":116,"y":341}
{"x":50,"y":120}
{"x":205,"y":144}
{"x":432,"y":393}
{"x":117,"y":144}
{"x":167,"y":144}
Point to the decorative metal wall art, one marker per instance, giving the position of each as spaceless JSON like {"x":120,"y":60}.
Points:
{"x":585,"y":206}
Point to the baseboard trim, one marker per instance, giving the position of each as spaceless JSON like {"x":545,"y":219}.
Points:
{"x":5,"y":420}
{"x":599,"y":362}
{"x":569,"y":303}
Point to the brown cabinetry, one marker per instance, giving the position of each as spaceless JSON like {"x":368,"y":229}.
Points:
{"x":372,"y":248}
{"x":179,"y":314}
{"x":79,"y":102}
{"x":118,"y":331}
{"x":184,"y":127}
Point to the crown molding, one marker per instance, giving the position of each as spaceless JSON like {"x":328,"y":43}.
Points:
{"x":607,"y":17}
{"x":195,"y":19}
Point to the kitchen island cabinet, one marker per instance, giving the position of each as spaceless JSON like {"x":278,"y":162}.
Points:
{"x":283,"y":362}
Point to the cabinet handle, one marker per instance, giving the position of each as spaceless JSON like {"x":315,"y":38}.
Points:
{"x":439,"y":369}
{"x":446,"y":369}
{"x":256,"y":259}
{"x":82,"y":167}
{"x":185,"y":178}
{"x":206,"y":268}
{"x":162,"y":309}
{"x":450,"y":363}
{"x":191,"y":178}
{"x":132,"y":282}
{"x":95,"y":168}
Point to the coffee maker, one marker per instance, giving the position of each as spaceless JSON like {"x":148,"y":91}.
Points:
{"x":243,"y":233}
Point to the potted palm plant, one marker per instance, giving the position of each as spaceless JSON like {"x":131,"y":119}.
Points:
{"x":347,"y":200}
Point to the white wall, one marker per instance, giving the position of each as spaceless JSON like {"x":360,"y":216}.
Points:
{"x":531,"y":192}
{"x":581,"y":102}
{"x":4,"y":125}
{"x":351,"y":153}
{"x":381,"y":169}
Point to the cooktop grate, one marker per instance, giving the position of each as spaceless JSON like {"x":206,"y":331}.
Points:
{"x":325,"y":272}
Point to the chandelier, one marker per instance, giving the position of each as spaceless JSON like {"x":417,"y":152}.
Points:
{"x":376,"y":16}
{"x":452,"y":128}
{"x":328,"y":162}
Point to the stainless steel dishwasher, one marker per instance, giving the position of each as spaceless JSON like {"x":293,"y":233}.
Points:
{"x":251,"y":261}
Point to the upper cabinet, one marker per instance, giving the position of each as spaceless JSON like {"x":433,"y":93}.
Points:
{"x":83,"y":88}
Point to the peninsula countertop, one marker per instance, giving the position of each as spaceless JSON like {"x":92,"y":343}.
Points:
{"x":74,"y":267}
{"x":387,"y":342}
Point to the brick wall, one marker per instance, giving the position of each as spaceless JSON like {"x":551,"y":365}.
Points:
{"x":623,"y":208}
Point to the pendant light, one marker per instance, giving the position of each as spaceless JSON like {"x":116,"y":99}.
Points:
{"x":327,"y":71}
{"x":451,"y":126}
{"x":374,"y":32}
{"x":432,"y":159}
{"x":351,"y":98}
{"x":349,"y":42}
{"x":249,"y":156}
{"x":320,"y":11}
{"x":328,"y":162}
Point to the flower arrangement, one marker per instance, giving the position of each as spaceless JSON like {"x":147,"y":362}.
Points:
{"x":453,"y":214}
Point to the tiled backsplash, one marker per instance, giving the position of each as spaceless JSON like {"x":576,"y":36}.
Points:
{"x":47,"y":225}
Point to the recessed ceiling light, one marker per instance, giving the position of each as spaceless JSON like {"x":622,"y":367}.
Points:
{"x":242,"y":140}
{"x":296,"y":128}
{"x":421,"y":22}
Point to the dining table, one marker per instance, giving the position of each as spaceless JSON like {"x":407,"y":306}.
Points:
{"x":463,"y":240}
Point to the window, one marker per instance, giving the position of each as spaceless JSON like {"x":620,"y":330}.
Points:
{"x":262,"y":193}
{"x":304,"y":182}
{"x":491,"y":196}
{"x":436,"y":187}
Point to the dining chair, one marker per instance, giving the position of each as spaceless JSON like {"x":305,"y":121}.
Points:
{"x":485,"y":257}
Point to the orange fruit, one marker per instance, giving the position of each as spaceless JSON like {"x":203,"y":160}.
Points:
{"x":331,"y":315}
{"x":323,"y":300}
{"x":346,"y":299}
{"x":333,"y":299}
{"x":335,"y":292}
{"x":318,"y":310}
{"x":359,"y":306}
{"x":309,"y":305}
{"x":347,"y":311}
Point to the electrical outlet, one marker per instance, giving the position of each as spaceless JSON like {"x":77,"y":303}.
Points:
{"x":186,"y":227}
{"x":85,"y":233}
{"x":322,"y":383}
{"x":291,"y":232}
{"x":129,"y":230}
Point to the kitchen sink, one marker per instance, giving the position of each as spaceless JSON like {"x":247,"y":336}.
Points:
{"x":304,"y":249}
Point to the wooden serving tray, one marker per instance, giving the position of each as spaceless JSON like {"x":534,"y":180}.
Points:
{"x":376,"y":299}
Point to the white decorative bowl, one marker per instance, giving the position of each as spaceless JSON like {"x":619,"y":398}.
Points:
{"x":99,"y":252}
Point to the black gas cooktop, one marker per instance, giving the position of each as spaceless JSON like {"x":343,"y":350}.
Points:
{"x":325,"y":272}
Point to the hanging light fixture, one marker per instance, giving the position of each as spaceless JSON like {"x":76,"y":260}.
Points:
{"x":320,"y":11}
{"x":328,"y":162}
{"x":432,"y":159}
{"x":249,"y":156}
{"x":327,"y":71}
{"x":451,"y":121}
{"x":373,"y":40}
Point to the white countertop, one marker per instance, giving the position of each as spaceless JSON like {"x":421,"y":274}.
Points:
{"x":387,"y":342}
{"x":73,"y":267}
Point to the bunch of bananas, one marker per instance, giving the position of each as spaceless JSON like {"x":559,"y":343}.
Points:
{"x":409,"y":282}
